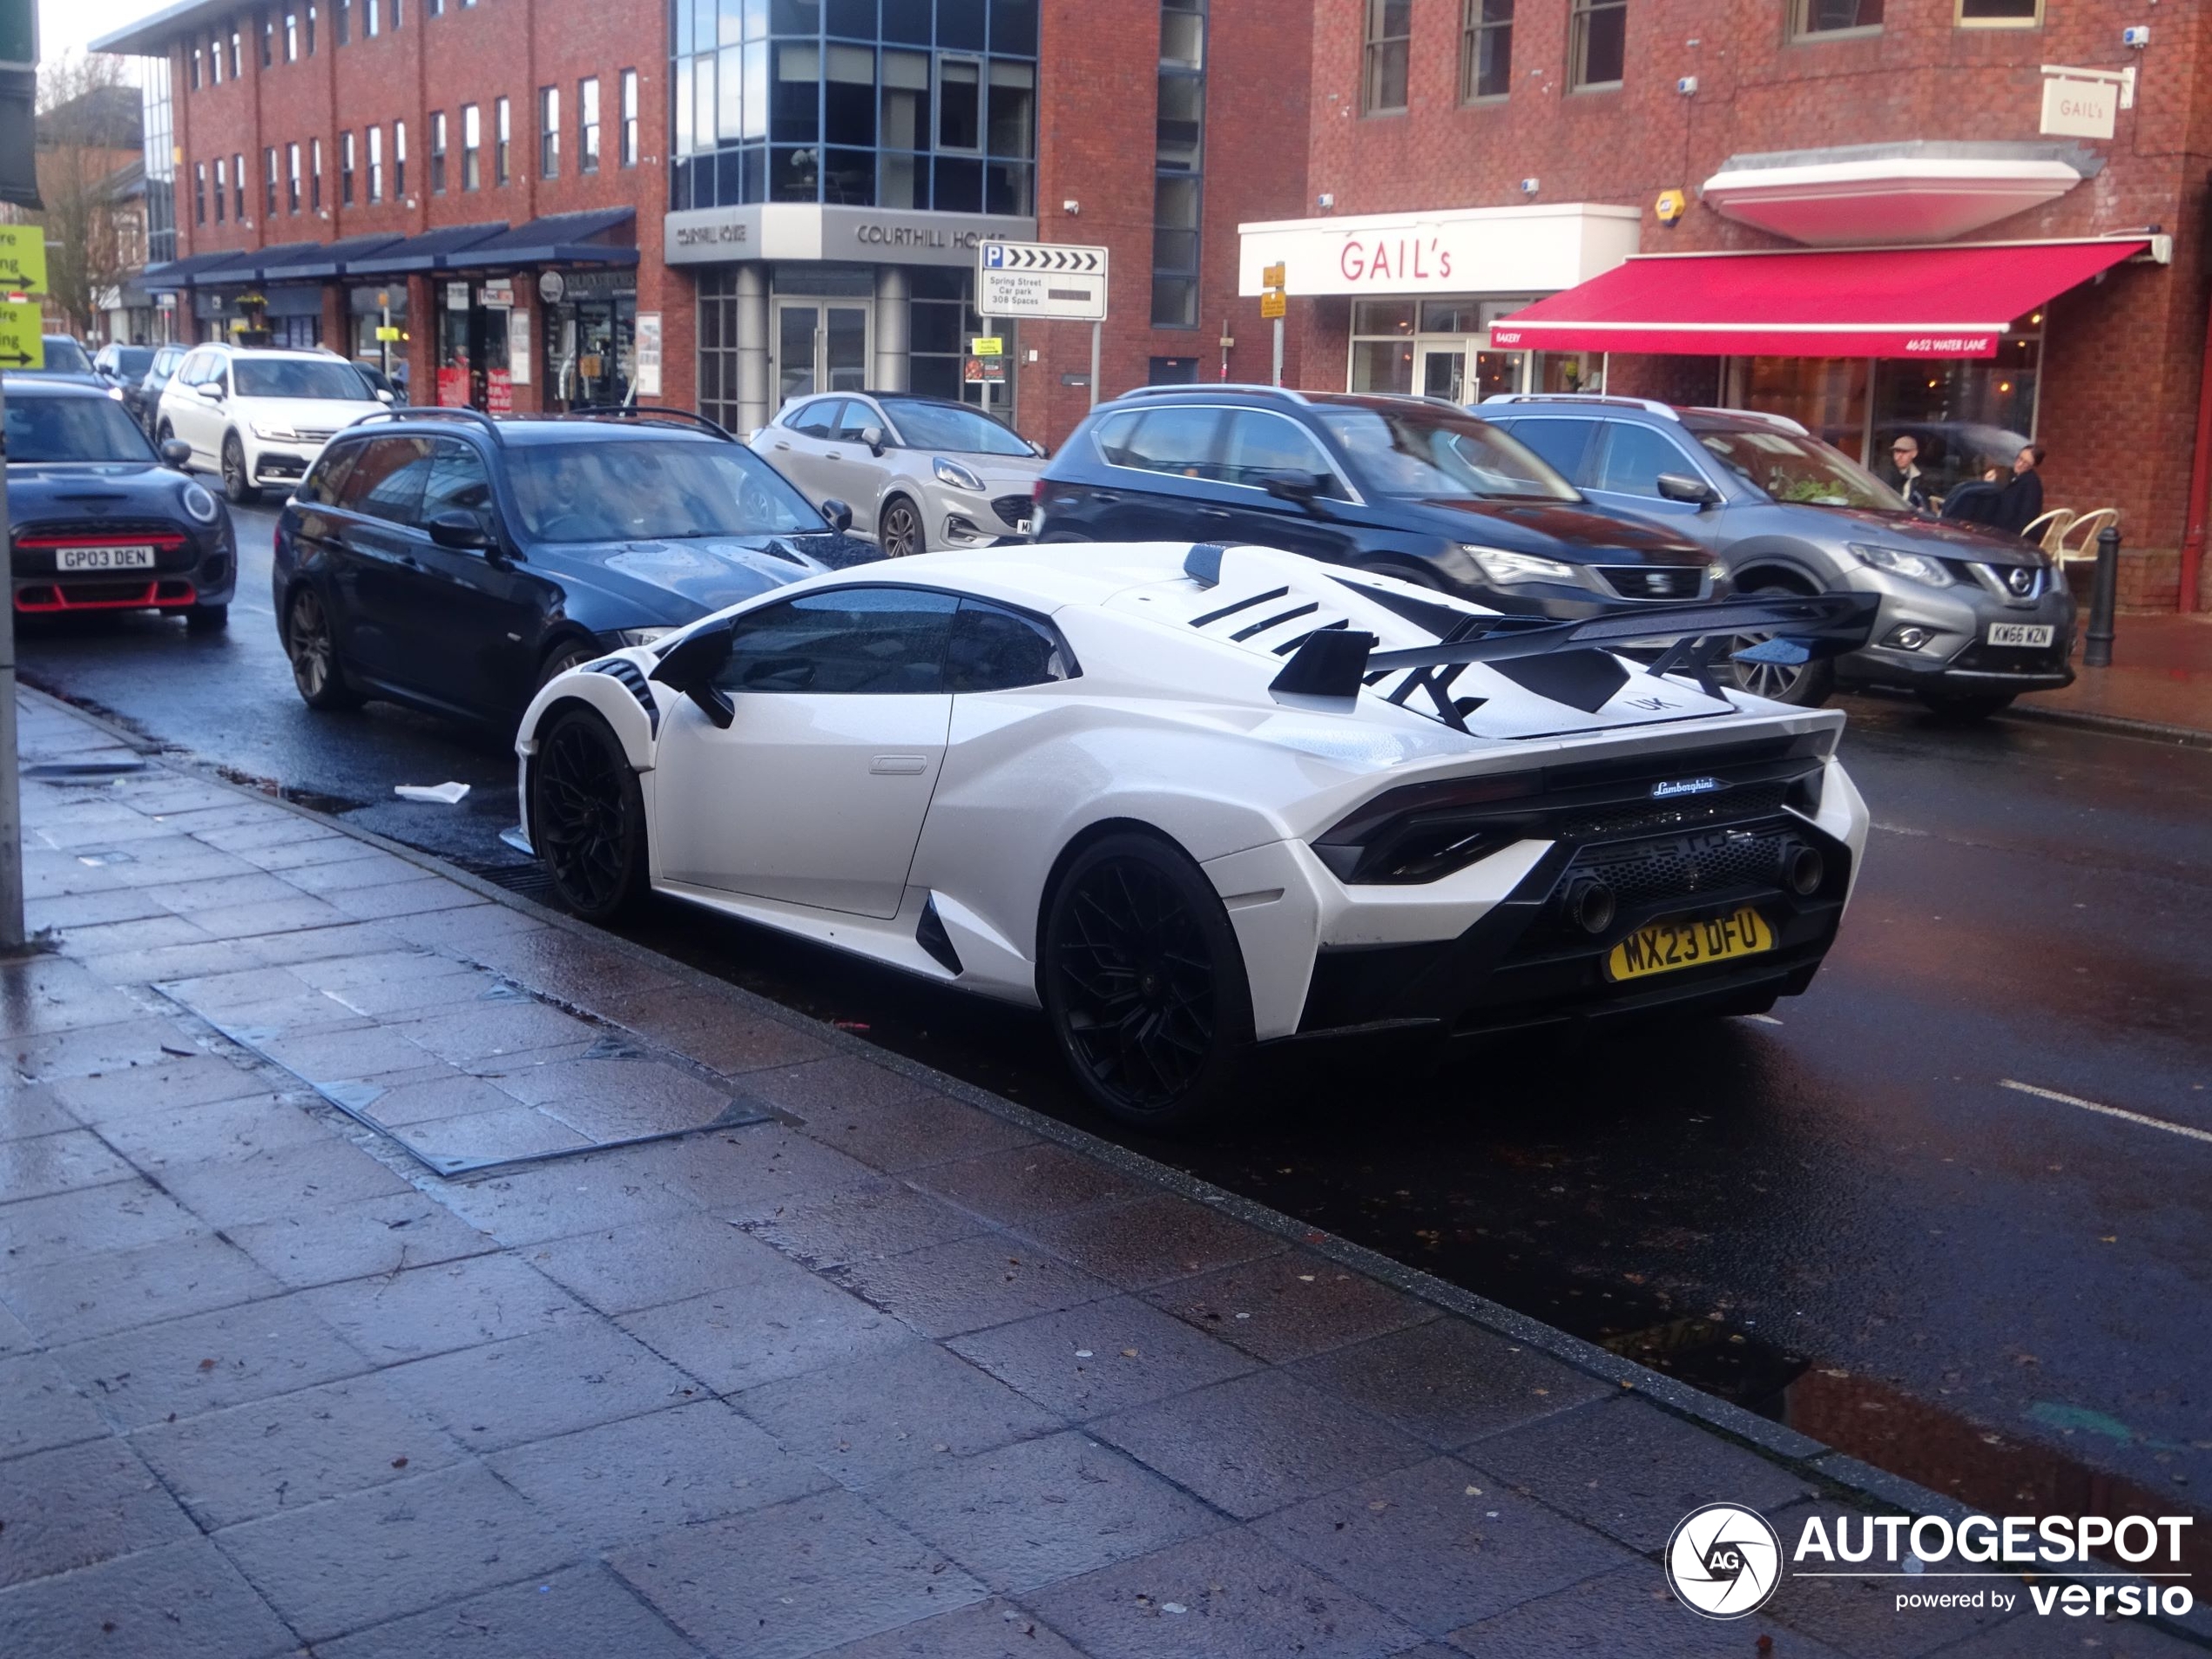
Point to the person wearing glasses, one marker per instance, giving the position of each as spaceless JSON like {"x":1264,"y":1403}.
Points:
{"x":1901,"y":472}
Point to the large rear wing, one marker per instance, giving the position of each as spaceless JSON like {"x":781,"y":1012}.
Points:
{"x":1573,"y":663}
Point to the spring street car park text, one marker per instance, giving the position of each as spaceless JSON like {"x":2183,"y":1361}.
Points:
{"x":2017,"y":1541}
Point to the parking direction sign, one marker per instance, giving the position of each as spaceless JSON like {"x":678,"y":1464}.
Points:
{"x":23,"y":343}
{"x":1043,"y":282}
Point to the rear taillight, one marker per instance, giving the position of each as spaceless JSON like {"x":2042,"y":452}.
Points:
{"x":1037,"y":489}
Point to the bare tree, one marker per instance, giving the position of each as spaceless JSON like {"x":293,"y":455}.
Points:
{"x":89,"y":127}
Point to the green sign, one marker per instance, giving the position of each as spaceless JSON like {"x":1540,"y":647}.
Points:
{"x":23,"y":258}
{"x":23,"y":343}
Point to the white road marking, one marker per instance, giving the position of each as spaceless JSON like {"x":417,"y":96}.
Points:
{"x":2108,"y":1112}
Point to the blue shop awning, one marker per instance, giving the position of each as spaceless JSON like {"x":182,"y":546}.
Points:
{"x":603,"y":236}
{"x":251,"y":264}
{"x":432,"y":250}
{"x":323,"y":260}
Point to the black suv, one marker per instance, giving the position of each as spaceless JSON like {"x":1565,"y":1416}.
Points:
{"x":442,"y":558}
{"x":1409,"y":487}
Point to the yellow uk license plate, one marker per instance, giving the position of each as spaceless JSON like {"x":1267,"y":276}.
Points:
{"x":1663,"y":947}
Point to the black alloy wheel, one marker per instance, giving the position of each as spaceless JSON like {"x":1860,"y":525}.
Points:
{"x":588,"y":816}
{"x":901,"y":530}
{"x":1144,"y":984}
{"x":237,"y":484}
{"x":1804,"y":685}
{"x":314,"y":650}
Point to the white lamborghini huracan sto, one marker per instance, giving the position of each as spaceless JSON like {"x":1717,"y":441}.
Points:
{"x":1189,"y":799}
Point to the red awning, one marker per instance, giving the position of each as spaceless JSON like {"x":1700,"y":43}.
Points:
{"x":1812,"y":302}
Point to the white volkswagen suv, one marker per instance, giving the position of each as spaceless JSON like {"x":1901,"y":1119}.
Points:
{"x":261,"y":416}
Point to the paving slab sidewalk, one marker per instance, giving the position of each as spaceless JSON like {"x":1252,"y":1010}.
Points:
{"x":2160,"y":681}
{"x":893,"y":1368}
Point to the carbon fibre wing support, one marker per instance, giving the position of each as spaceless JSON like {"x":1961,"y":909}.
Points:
{"x":1798,"y":628}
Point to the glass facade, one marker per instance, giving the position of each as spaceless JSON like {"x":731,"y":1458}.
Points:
{"x":1177,"y":163}
{"x":160,"y":155}
{"x":898,"y":104}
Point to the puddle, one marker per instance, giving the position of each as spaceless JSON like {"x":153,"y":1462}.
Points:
{"x":314,"y":800}
{"x":82,"y":772}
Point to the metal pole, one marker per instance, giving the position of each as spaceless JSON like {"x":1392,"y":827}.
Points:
{"x":11,"y":923}
{"x":1095,"y":329}
{"x":2096,"y":651}
{"x":1278,"y":351}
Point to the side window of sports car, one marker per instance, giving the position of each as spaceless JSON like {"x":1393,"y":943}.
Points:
{"x":999,"y":650}
{"x":844,"y":642}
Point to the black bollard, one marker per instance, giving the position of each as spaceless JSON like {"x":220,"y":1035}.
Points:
{"x":2104,"y":594}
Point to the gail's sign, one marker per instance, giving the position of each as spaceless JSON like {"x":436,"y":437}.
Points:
{"x":1536,"y":249}
{"x":2080,"y":109}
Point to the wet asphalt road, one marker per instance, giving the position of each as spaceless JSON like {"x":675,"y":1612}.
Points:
{"x":1844,"y":1218}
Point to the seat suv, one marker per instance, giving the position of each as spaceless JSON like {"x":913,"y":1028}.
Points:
{"x":261,"y":416}
{"x":1411,"y":487}
{"x":1969,"y":619}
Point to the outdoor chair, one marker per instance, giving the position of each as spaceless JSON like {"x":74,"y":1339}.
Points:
{"x":2048,"y":532}
{"x":2079,"y":541}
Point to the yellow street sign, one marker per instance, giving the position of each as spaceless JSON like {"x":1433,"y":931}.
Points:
{"x":23,"y":343}
{"x":23,"y":257}
{"x":1272,"y":303}
{"x":986,"y":346}
{"x":1270,"y":276}
{"x":386,"y":331}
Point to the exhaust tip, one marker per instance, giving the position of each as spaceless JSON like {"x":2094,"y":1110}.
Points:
{"x":1591,"y":905}
{"x":1803,"y":869}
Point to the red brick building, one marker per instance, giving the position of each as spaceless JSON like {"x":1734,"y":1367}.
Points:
{"x":1529,"y":145}
{"x":787,"y":194}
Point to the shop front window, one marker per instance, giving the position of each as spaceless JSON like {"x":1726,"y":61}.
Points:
{"x":1825,"y":396}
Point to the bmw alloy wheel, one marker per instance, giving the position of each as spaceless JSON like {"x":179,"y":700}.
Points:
{"x":313,"y":652}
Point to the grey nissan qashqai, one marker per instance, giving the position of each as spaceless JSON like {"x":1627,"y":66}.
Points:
{"x":1970,"y":617}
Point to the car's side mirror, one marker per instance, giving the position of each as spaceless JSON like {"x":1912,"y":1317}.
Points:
{"x":176,"y":453}
{"x":839,"y":515}
{"x":691,"y":664}
{"x":212,"y":390}
{"x":872,"y":437}
{"x":383,"y":397}
{"x":456,"y":528}
{"x":1292,"y":485}
{"x":1680,"y":486}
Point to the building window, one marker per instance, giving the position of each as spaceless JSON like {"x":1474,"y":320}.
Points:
{"x":269,"y":182}
{"x":399,"y":160}
{"x":549,"y":132}
{"x":960,"y":104}
{"x":2000,"y":14}
{"x":1390,"y":32}
{"x":195,"y":69}
{"x":1597,"y":44}
{"x":311,"y":31}
{"x":215,"y":62}
{"x":1177,"y":160}
{"x":238,"y":41}
{"x":238,"y":188}
{"x":471,"y":148}
{"x":291,"y":177}
{"x":503,"y":139}
{"x":437,"y":153}
{"x":433,"y":8}
{"x":1835,"y":17}
{"x":267,"y":31}
{"x":291,"y":36}
{"x":376,"y":163}
{"x":1486,"y":55}
{"x":627,"y":156}
{"x":587,"y":124}
{"x":371,"y":25}
{"x":342,"y":21}
{"x":345,"y":169}
{"x":314,"y":175}
{"x":199,"y":192}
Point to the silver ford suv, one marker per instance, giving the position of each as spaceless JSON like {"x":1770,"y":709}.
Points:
{"x":1970,"y":618}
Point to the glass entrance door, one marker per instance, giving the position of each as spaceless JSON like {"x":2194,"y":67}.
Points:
{"x":1461,"y":372}
{"x":820,"y":347}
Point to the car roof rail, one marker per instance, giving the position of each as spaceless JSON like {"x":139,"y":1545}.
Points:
{"x":656,"y":412}
{"x":1259,"y":388}
{"x":432,"y":412}
{"x":1650,"y":406}
{"x":1781,"y":422}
